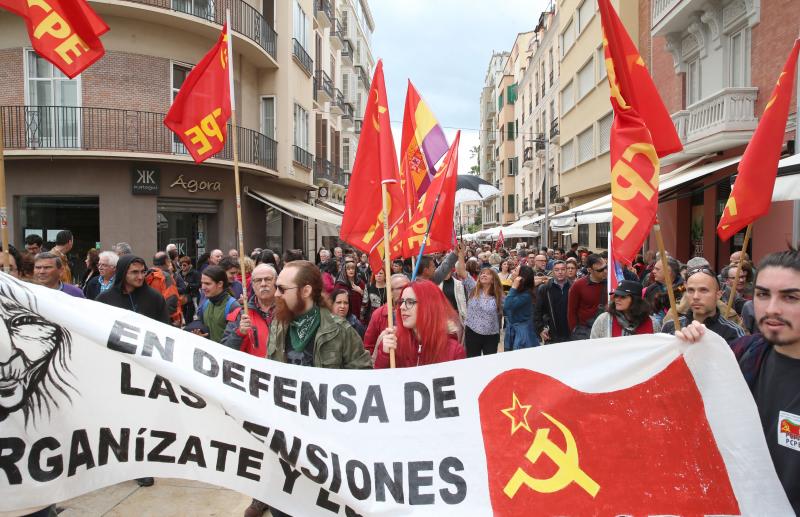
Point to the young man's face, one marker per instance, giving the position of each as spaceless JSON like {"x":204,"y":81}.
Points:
{"x":232,"y":273}
{"x":134,"y":278}
{"x":777,"y":305}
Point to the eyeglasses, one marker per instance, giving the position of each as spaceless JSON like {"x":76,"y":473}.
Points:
{"x":265,"y":280}
{"x":600,"y":270}
{"x":701,"y":269}
{"x":408,"y":302}
{"x":281,"y":289}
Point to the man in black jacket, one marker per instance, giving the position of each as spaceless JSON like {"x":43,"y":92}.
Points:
{"x":130,"y":292}
{"x":550,"y":314}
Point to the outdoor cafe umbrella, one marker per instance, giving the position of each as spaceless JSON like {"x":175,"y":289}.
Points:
{"x":473,"y":188}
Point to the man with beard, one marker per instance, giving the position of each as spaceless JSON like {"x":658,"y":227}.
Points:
{"x":305,"y":333}
{"x":250,"y":333}
{"x":130,"y":292}
{"x":770,"y":362}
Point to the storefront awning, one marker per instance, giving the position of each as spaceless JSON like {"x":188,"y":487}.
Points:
{"x":294,"y":207}
{"x":787,"y":186}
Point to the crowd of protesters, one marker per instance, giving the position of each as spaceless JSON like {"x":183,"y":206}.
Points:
{"x":332,"y":312}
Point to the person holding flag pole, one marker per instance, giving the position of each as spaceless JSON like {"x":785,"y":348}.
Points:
{"x":200,"y":113}
{"x":751,"y":194}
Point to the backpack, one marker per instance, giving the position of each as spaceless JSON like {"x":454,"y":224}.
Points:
{"x":228,"y":305}
{"x":165,"y":285}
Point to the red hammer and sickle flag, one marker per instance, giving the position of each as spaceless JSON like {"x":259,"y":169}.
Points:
{"x":644,"y":450}
{"x":200,"y":112}
{"x":64,"y":32}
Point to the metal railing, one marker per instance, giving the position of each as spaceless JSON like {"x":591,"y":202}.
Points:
{"x":323,"y":7}
{"x":119,"y":130}
{"x":347,"y":51}
{"x":362,"y":74}
{"x":337,"y":33}
{"x":323,"y":169}
{"x":337,"y":102}
{"x":245,"y":19}
{"x":323,"y":84}
{"x":347,"y":111}
{"x":303,"y":157}
{"x":358,"y":124}
{"x":302,"y":57}
{"x":554,"y":128}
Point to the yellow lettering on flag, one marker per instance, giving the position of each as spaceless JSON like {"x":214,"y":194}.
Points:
{"x":207,"y":128}
{"x":567,"y":460}
{"x":53,"y":25}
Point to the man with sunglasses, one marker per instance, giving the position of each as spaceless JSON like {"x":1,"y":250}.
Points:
{"x":703,"y":291}
{"x":770,"y":362}
{"x":587,"y":298}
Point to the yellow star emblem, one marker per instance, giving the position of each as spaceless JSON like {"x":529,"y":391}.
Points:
{"x":518,"y":413}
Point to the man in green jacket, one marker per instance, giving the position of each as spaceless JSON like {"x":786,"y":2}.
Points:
{"x":304,"y":332}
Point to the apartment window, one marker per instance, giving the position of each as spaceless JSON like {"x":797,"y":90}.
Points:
{"x":179,"y":75}
{"x":300,"y":25}
{"x":268,"y":116}
{"x":567,"y":38}
{"x":510,"y":203}
{"x":568,"y":156}
{"x":553,"y":110}
{"x":346,"y":154}
{"x":585,"y":13}
{"x":602,"y":72}
{"x":601,"y":235}
{"x":47,"y":86}
{"x":693,"y":81}
{"x":346,"y":86}
{"x":583,"y":234}
{"x":500,"y":101}
{"x":511,"y":131}
{"x":199,"y":8}
{"x":586,"y":79}
{"x":737,"y":59}
{"x":550,"y":66}
{"x":513,"y":166}
{"x":604,"y":133}
{"x":585,"y":145}
{"x":567,"y":97}
{"x":512,"y":93}
{"x":300,"y":127}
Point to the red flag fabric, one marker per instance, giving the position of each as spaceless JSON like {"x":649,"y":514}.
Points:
{"x":751,"y":195}
{"x":200,"y":112}
{"x":626,"y":452}
{"x":501,"y":241}
{"x":375,"y":164}
{"x":64,"y":32}
{"x":642,"y":131}
{"x":440,"y":237}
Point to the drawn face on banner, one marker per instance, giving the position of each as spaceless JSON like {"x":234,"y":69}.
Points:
{"x":33,"y":357}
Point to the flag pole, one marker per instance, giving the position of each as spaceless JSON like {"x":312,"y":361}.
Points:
{"x":387,"y":267}
{"x":235,"y":143}
{"x":4,"y":256}
{"x":732,"y":295}
{"x":425,"y":241}
{"x":667,"y":274}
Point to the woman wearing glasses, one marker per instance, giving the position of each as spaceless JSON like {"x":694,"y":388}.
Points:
{"x":628,"y":314}
{"x":425,"y":329}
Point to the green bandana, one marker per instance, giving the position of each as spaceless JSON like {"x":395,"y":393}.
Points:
{"x":303,"y":328}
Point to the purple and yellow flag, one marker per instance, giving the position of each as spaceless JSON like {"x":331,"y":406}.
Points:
{"x":422,"y":145}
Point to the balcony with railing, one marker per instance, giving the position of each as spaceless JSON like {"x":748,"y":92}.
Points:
{"x":554,"y":132}
{"x":492,"y":134}
{"x":69,"y":129}
{"x":323,"y":86}
{"x":323,"y":13}
{"x":358,"y":124}
{"x":337,"y":37}
{"x":302,"y":58}
{"x":347,"y":111}
{"x":347,"y":53}
{"x":245,"y":19}
{"x":718,"y":122}
{"x":337,"y":102}
{"x":324,"y":170}
{"x":302,"y":157}
{"x":362,"y":75}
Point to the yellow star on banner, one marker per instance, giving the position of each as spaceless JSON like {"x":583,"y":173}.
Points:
{"x":774,"y":97}
{"x":518,"y":413}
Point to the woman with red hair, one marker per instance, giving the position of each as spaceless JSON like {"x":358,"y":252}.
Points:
{"x":425,"y":333}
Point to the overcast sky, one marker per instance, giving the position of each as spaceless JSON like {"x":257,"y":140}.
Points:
{"x":444,"y":47}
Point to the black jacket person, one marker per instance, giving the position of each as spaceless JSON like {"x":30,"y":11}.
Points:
{"x":130,"y":292}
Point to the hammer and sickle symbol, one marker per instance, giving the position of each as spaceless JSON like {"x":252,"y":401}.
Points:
{"x":567,"y":460}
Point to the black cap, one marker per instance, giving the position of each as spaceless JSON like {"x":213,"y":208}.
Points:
{"x":629,"y":288}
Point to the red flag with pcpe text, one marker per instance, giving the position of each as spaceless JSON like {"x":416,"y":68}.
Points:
{"x":200,"y":112}
{"x":64,"y":32}
{"x":751,"y":195}
{"x":641,"y":133}
{"x":375,"y":165}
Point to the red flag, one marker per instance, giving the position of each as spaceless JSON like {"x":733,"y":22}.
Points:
{"x":440,"y":237}
{"x":501,"y":241}
{"x":375,"y":164}
{"x":642,"y":131}
{"x":64,"y":32}
{"x":200,"y":112}
{"x":751,"y":195}
{"x":622,"y":452}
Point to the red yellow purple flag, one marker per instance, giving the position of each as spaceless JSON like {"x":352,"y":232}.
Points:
{"x":641,"y":133}
{"x":422,"y":145}
{"x":200,"y":112}
{"x":64,"y":32}
{"x":751,"y":195}
{"x":375,"y":164}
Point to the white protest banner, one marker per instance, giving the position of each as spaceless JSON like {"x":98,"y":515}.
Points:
{"x":92,"y":395}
